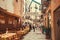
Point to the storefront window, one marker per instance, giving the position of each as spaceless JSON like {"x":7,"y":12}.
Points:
{"x":10,"y":21}
{"x":2,"y":20}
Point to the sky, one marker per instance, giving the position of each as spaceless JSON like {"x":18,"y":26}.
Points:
{"x":29,"y":1}
{"x":37,"y":1}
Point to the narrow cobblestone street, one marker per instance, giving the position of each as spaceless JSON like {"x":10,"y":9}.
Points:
{"x":37,"y":35}
{"x":29,"y":19}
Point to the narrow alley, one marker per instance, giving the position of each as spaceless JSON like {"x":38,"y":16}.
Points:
{"x":29,"y":19}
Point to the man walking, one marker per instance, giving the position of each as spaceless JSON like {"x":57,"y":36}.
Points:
{"x":34,"y":27}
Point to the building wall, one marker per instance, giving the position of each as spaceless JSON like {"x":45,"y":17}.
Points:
{"x":18,"y":7}
{"x":7,"y":5}
{"x":12,"y":6}
{"x":57,"y":24}
{"x":2,"y":4}
{"x":32,"y":7}
{"x":54,"y":29}
{"x":55,"y":4}
{"x":45,"y":20}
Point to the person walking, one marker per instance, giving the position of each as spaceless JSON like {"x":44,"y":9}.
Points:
{"x":34,"y":27}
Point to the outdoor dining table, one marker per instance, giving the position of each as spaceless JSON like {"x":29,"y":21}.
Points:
{"x":7,"y":36}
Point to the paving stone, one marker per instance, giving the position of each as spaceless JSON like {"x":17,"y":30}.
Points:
{"x":37,"y":35}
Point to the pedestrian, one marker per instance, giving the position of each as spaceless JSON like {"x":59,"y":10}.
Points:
{"x":34,"y":27}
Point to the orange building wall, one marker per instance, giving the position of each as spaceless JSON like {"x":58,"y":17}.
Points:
{"x":46,"y":20}
{"x":57,"y":28}
{"x":18,"y":7}
{"x":54,"y":4}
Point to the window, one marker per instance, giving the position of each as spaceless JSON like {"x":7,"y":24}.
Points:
{"x":36,"y":6}
{"x":40,"y":7}
{"x":2,"y":20}
{"x":41,"y":16}
{"x":16,"y":0}
{"x":10,"y":21}
{"x":3,"y":0}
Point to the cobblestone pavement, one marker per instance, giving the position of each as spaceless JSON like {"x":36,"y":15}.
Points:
{"x":37,"y":35}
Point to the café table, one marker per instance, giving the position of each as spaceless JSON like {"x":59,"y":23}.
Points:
{"x":7,"y":36}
